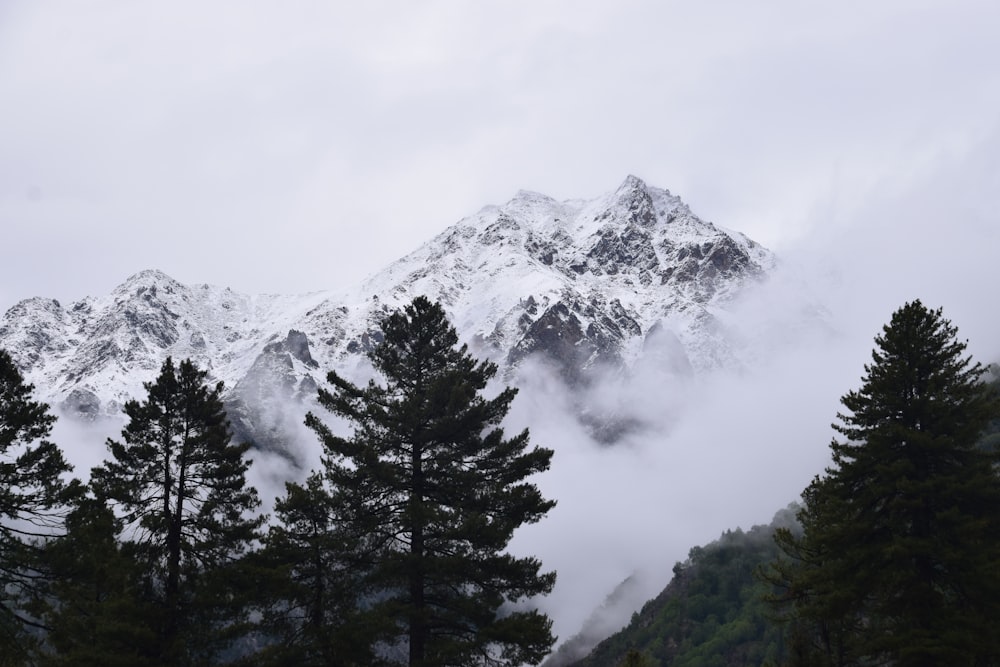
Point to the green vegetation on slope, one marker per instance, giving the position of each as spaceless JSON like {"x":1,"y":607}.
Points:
{"x":712,"y":612}
{"x":896,"y":563}
{"x":892,"y":558}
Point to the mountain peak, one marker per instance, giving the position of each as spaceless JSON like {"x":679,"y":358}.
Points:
{"x":149,"y":277}
{"x":631,"y":203}
{"x":584,"y":284}
{"x":631,"y":184}
{"x":149,"y":286}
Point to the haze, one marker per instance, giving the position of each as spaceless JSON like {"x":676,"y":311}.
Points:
{"x":300,"y":148}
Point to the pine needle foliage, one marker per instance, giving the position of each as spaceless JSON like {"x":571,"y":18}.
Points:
{"x":94,"y":614}
{"x":431,"y":491}
{"x":897,"y":562}
{"x":314,"y":586}
{"x":179,"y":484}
{"x":33,"y":506}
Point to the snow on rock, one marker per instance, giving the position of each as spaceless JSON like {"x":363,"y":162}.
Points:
{"x":582,"y":284}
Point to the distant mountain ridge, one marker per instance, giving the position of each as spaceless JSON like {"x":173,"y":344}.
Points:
{"x":584,"y":284}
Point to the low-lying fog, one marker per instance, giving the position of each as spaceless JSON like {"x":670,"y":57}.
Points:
{"x":732,"y":447}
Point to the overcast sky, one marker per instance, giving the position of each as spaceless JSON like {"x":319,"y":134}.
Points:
{"x":299,"y":146}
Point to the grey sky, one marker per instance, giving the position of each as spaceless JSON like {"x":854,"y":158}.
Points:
{"x":295,"y":148}
{"x":301,"y":146}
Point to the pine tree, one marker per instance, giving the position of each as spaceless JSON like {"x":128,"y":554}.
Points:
{"x":91,"y":607}
{"x":432,"y":492}
{"x":897,"y":561}
{"x":33,"y":499}
{"x":178,"y":482}
{"x":313,"y":588}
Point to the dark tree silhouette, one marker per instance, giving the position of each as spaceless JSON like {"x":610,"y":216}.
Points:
{"x":179,"y":483}
{"x":431,"y":491}
{"x":33,"y":498}
{"x":897,"y":562}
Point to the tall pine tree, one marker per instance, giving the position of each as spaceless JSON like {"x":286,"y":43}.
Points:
{"x":431,"y":491}
{"x":33,"y":504}
{"x":178,"y":482}
{"x":897,"y":561}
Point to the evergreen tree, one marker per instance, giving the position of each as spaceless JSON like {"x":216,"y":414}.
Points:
{"x":635,"y":659}
{"x":431,"y":491}
{"x":32,"y":503}
{"x":897,"y":561}
{"x":314,"y":588}
{"x":178,"y":482}
{"x":92,"y":609}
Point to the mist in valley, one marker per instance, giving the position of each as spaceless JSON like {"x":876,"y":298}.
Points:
{"x":730,"y":448}
{"x":725,"y":449}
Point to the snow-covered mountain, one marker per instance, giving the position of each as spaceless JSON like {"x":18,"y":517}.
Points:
{"x":627,"y":277}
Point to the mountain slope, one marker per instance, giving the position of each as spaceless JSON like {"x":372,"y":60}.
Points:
{"x":584,"y":285}
{"x":713,"y":611}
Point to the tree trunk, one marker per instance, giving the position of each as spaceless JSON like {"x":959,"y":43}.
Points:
{"x":418,"y":630}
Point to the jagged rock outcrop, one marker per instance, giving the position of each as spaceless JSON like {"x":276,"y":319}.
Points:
{"x":265,"y":401}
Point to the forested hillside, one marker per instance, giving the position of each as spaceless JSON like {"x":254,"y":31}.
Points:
{"x":892,"y":557}
{"x":712,"y":613}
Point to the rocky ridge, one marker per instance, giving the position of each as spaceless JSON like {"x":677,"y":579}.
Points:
{"x":583,"y":285}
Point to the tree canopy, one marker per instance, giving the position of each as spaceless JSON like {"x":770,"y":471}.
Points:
{"x":33,"y":498}
{"x":429,"y":491}
{"x":897,"y":559}
{"x":178,"y":481}
{"x":314,"y":585}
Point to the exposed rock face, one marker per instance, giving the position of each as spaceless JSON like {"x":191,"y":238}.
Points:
{"x":82,"y":404}
{"x":707,"y":265}
{"x":269,"y":395}
{"x":622,"y":250}
{"x":38,"y":325}
{"x":631,"y":277}
{"x":559,"y":336}
{"x":297,"y":345}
